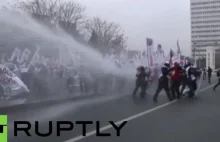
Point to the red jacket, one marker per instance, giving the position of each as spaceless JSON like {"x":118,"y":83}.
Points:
{"x":175,"y":73}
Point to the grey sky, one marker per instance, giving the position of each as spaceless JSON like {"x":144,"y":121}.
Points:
{"x":163,"y":20}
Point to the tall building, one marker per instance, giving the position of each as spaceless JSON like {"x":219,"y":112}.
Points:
{"x":205,"y":26}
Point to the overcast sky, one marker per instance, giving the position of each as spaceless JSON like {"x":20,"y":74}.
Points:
{"x":163,"y":20}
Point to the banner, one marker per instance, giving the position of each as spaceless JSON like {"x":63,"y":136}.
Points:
{"x":15,"y":55}
{"x":159,"y":57}
{"x":36,"y":57}
{"x":178,"y":52}
{"x":11,"y":84}
{"x":25,"y":55}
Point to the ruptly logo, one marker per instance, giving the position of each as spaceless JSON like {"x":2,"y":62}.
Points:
{"x":3,"y":128}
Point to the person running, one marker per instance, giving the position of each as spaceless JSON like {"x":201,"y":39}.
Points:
{"x":209,"y":74}
{"x":163,"y":82}
{"x":218,"y":83}
{"x":191,"y":73}
{"x":204,"y":74}
{"x":183,"y":80}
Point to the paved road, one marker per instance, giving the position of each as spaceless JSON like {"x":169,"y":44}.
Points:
{"x":194,"y":120}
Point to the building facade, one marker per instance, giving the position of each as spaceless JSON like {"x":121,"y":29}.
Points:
{"x":205,"y":26}
{"x":213,"y":57}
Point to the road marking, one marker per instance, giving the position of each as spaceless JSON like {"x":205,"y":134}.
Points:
{"x":78,"y":138}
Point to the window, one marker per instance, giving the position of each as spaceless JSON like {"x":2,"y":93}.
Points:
{"x":209,"y":26}
{"x":214,"y":41}
{"x":205,"y":7}
{"x":205,"y":17}
{"x":213,"y":21}
{"x":204,"y":3}
{"x":199,"y":36}
{"x":199,"y":50}
{"x":205,"y":12}
{"x":207,"y":31}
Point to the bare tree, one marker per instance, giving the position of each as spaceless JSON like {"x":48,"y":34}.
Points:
{"x":107,"y":33}
{"x":72,"y":12}
{"x":57,"y":10}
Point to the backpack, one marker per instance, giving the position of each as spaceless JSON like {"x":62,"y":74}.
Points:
{"x":194,"y":71}
{"x":218,"y":73}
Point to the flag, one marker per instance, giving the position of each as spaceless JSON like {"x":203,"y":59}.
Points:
{"x":35,"y":57}
{"x":171,"y":53}
{"x":178,"y":52}
{"x":15,"y":55}
{"x":159,"y":47}
{"x":11,"y":84}
{"x":171,"y":56}
{"x":25,"y":55}
{"x":178,"y":47}
{"x":150,"y":51}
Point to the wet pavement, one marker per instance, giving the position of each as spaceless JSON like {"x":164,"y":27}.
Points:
{"x":195,"y":120}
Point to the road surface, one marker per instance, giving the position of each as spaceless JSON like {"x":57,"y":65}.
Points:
{"x":196,"y":120}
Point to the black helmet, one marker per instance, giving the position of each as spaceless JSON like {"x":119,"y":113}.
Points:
{"x":167,"y":64}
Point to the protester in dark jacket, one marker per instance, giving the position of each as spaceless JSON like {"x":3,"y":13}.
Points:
{"x":82,"y":80}
{"x":69,"y":85}
{"x":140,"y":81}
{"x":218,"y":83}
{"x":209,"y":74}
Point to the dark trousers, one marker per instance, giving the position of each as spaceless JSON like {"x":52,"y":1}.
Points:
{"x":83,"y":85}
{"x":192,"y":87}
{"x":184,"y":83}
{"x":217,"y":84}
{"x":142,"y":85}
{"x":1,"y":92}
{"x":163,"y":83}
{"x":209,"y":78}
{"x":175,"y":85}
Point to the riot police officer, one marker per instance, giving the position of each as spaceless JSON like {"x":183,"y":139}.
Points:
{"x":163,"y":82}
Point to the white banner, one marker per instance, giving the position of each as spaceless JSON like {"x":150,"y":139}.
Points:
{"x":15,"y":55}
{"x":11,"y":84}
{"x":25,"y":55}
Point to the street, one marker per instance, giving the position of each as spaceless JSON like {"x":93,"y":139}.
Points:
{"x":195,"y":120}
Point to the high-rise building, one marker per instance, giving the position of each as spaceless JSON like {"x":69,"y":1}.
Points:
{"x":205,"y":26}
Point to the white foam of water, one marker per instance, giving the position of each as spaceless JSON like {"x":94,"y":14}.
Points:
{"x":31,"y":29}
{"x":20,"y":27}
